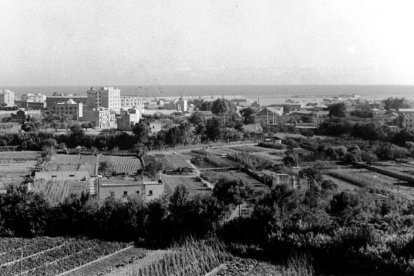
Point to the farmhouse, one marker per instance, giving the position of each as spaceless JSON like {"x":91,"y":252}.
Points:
{"x":121,"y":188}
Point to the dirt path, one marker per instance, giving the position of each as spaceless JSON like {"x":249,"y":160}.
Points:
{"x":128,"y":269}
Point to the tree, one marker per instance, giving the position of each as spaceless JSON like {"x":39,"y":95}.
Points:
{"x":337,"y":110}
{"x":313,"y":174}
{"x":232,"y":191}
{"x":153,"y":168}
{"x":213,"y":129}
{"x":141,"y":131}
{"x":76,"y":136}
{"x":396,"y":103}
{"x":248,"y":115}
{"x":106,"y":168}
{"x":140,"y":150}
{"x":223,"y":107}
{"x":290,"y":160}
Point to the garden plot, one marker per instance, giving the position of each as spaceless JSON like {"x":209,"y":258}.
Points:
{"x":56,"y":191}
{"x":214,"y":177}
{"x":172,"y":162}
{"x":123,"y":164}
{"x":72,"y":162}
{"x":251,"y":149}
{"x":51,"y":256}
{"x":363,"y":178}
{"x":15,"y":166}
{"x":192,"y":184}
{"x":205,"y":159}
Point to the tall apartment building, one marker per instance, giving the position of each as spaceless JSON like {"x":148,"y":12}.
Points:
{"x":6,"y":98}
{"x":408,"y":115}
{"x":107,"y":97}
{"x":128,"y":102}
{"x":51,"y":101}
{"x":69,"y":108}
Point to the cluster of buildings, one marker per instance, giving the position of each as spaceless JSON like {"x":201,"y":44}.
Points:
{"x":104,"y":107}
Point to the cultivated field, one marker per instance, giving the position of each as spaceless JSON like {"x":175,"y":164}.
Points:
{"x":57,"y":191}
{"x":213,"y":177}
{"x":50,"y":256}
{"x":194,"y":186}
{"x":15,"y":166}
{"x":123,"y":164}
{"x":72,"y":162}
{"x":171,"y":162}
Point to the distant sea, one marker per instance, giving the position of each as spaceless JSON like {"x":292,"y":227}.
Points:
{"x":267,"y":94}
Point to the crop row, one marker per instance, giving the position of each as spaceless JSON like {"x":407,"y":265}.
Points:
{"x":358,"y":179}
{"x":59,"y":259}
{"x":191,"y":259}
{"x":29,"y":247}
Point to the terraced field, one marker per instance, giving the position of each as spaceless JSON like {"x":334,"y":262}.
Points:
{"x":51,"y":256}
{"x":57,"y":191}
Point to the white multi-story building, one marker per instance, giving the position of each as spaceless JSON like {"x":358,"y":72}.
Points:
{"x":100,"y":117}
{"x":6,"y":98}
{"x":34,"y":98}
{"x":69,"y":108}
{"x":408,"y":115}
{"x":107,"y":97}
{"x":128,"y":102}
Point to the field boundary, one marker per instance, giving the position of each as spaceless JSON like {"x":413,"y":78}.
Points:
{"x":94,"y":261}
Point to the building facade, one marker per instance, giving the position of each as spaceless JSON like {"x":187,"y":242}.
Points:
{"x":122,"y":189}
{"x":128,"y":102}
{"x":100,"y":117}
{"x":107,"y":97}
{"x":34,"y":98}
{"x":69,"y":108}
{"x":6,"y":98}
{"x":179,"y":105}
{"x":128,"y":119}
{"x":408,"y":117}
{"x":51,"y":101}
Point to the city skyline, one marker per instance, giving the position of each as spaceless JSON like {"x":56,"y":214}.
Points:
{"x":206,"y":42}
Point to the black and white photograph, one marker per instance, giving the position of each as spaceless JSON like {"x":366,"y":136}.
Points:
{"x":206,"y":137}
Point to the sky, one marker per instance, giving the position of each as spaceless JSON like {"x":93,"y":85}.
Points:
{"x":206,"y":42}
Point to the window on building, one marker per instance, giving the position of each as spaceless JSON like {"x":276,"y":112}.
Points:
{"x":125,"y":193}
{"x":138,"y":192}
{"x":150,"y":192}
{"x":54,"y":176}
{"x":71,"y":175}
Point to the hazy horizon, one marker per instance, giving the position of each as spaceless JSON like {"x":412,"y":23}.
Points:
{"x":147,"y":43}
